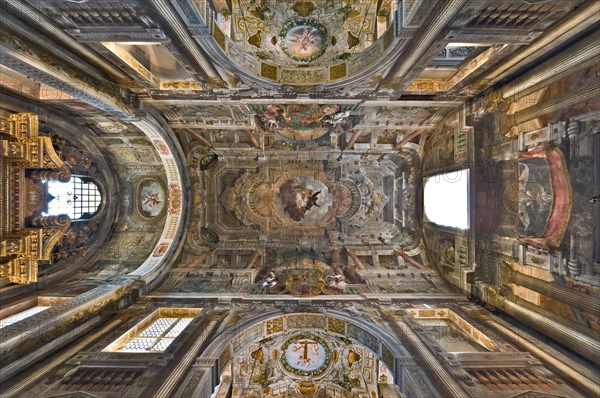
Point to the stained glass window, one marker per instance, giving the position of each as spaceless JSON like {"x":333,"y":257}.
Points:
{"x":79,"y":198}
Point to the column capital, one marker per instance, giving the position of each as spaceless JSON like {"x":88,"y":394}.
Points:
{"x":494,"y":100}
{"x":508,"y":125}
{"x":506,"y":273}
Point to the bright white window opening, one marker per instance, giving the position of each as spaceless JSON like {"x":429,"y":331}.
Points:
{"x":9,"y":320}
{"x":78,"y":198}
{"x":446,"y":199}
{"x":156,"y":332}
{"x":158,"y":336}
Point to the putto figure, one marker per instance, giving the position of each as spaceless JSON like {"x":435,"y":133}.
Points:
{"x":152,"y":199}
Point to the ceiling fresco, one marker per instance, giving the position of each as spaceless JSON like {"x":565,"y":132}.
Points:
{"x":347,"y":199}
{"x":303,"y":122}
{"x":262,"y":163}
{"x":302,"y":42}
{"x":311,"y":32}
{"x":295,"y":180}
{"x":307,"y":363}
{"x":305,"y":277}
{"x":335,"y":186}
{"x":306,"y":355}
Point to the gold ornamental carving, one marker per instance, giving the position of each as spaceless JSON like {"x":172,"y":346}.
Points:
{"x":495,"y":101}
{"x":26,"y":237}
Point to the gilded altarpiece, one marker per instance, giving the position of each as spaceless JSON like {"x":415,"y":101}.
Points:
{"x":26,"y":160}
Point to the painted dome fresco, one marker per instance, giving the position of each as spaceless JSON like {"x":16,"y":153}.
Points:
{"x":302,"y":42}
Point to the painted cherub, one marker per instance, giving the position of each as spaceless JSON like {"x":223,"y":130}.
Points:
{"x":152,"y":199}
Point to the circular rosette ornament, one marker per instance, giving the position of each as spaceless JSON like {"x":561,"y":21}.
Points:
{"x":303,"y":40}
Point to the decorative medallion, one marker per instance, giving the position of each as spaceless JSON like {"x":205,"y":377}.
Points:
{"x":175,"y":199}
{"x":303,"y":40}
{"x":305,"y":355}
{"x":151,"y":198}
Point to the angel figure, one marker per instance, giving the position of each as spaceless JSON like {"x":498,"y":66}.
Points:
{"x":152,"y":199}
{"x":338,"y":280}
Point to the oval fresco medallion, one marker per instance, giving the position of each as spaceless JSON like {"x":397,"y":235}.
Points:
{"x":151,"y":198}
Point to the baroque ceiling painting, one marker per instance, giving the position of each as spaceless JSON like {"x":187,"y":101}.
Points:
{"x":344,"y":201}
{"x":300,"y":199}
{"x":324,"y":38}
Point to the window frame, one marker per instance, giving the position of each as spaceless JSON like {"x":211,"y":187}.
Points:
{"x":135,"y":331}
{"x":20,"y":307}
{"x":81,"y":185}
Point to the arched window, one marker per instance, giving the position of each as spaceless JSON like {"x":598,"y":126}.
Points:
{"x":446,"y":199}
{"x":79,"y":198}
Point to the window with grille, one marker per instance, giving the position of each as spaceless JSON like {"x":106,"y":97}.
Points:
{"x":79,"y":198}
{"x":9,"y":320}
{"x":25,"y":309}
{"x":156,"y":332}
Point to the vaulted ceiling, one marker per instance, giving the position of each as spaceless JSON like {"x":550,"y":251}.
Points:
{"x":247,"y":148}
{"x":271,"y":131}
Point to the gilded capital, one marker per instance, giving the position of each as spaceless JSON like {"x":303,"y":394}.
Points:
{"x":494,"y":297}
{"x":491,"y":99}
{"x":505,"y":273}
{"x":508,"y":125}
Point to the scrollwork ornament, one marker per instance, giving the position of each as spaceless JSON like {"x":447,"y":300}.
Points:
{"x":507,"y":274}
{"x":215,"y":83}
{"x":491,"y":100}
{"x":508,"y":125}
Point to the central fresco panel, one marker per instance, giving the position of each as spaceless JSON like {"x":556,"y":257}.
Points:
{"x":298,"y":191}
{"x":354,"y":198}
